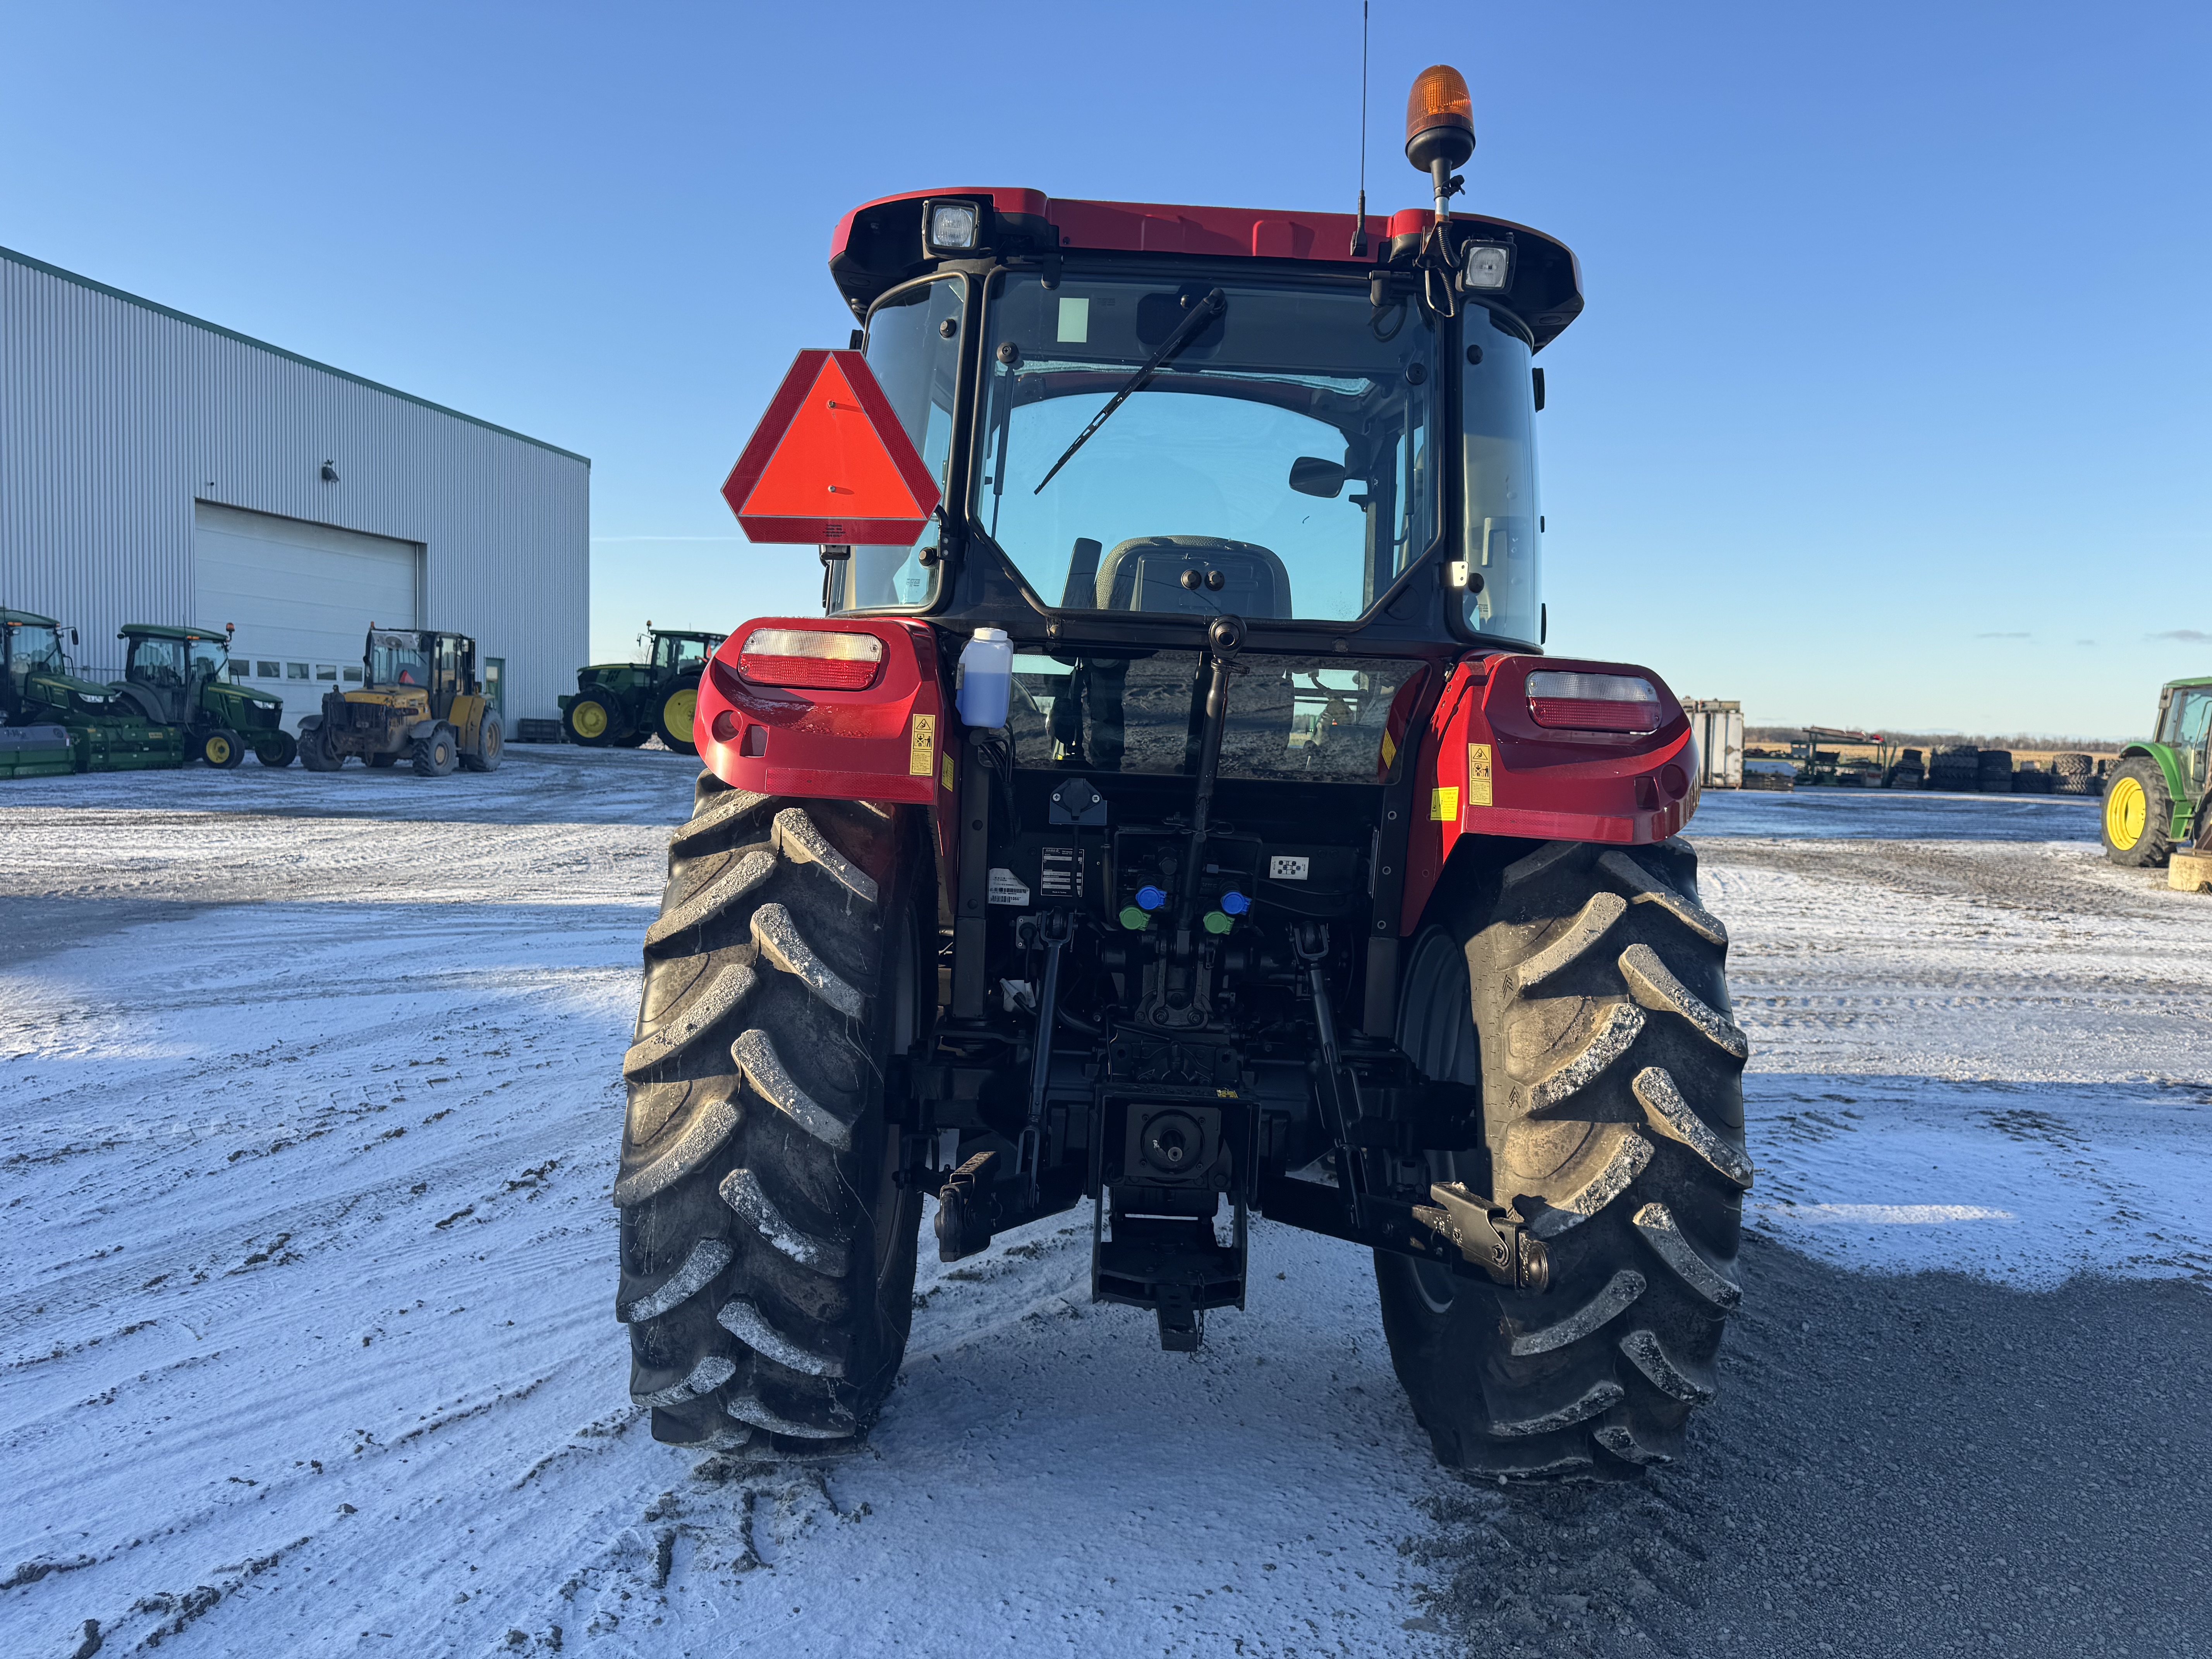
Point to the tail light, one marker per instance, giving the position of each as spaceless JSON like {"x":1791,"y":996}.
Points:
{"x":815,"y":658}
{"x":1592,"y":702}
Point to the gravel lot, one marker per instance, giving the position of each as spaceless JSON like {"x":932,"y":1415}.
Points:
{"x":308,"y":1105}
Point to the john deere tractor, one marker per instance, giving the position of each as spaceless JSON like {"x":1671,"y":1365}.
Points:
{"x":178,"y":676}
{"x":1176,"y":814}
{"x":420,"y":701}
{"x":624,"y":704}
{"x":2153,"y":800}
{"x":39,"y":693}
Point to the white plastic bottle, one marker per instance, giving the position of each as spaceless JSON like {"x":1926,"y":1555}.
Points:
{"x":987,"y":679}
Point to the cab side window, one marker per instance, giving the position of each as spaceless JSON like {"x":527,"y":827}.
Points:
{"x":2189,"y":718}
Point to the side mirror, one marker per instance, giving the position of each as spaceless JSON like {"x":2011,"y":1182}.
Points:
{"x":72,"y":636}
{"x":1311,"y":476}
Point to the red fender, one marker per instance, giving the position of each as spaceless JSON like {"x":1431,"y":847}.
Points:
{"x":1487,"y":768}
{"x":888,"y":743}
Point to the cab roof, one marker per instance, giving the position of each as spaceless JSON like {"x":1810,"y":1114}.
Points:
{"x":164,"y":631}
{"x":30,"y":619}
{"x":879,"y":244}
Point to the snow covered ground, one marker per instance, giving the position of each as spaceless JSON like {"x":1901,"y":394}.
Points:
{"x":308,"y":1109}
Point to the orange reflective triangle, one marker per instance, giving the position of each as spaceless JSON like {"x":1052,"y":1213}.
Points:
{"x":830,"y":461}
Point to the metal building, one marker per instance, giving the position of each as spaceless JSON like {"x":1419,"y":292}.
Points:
{"x":157,"y":468}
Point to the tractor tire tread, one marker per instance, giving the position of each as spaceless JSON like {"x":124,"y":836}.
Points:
{"x":1612,"y":1122}
{"x":759,"y":1226}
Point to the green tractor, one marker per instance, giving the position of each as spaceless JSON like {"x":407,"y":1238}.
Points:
{"x":624,"y":704}
{"x":2158,"y":791}
{"x":178,"y":676}
{"x":39,"y":693}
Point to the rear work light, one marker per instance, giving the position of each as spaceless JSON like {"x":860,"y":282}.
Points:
{"x":949,"y":227}
{"x":814,"y":658}
{"x":1592,"y":702}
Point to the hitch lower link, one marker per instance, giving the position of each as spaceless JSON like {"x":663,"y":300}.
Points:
{"x":967,"y":1208}
{"x":1489,"y":1235}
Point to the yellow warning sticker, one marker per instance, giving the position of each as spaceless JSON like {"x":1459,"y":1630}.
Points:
{"x":1478,"y":774}
{"x":947,"y":775}
{"x":1444,"y":805}
{"x":921,"y":756}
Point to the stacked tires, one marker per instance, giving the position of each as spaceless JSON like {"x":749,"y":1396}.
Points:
{"x":768,"y":1251}
{"x":1993,"y":771}
{"x":1957,"y":766}
{"x":1910,"y":772}
{"x":2074,"y":775}
{"x":1584,"y":987}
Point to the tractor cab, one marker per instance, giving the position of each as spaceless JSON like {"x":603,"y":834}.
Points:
{"x":181,"y":676}
{"x":682,"y":653}
{"x":30,"y":649}
{"x":170,"y":667}
{"x":38,"y":682}
{"x":425,"y":670}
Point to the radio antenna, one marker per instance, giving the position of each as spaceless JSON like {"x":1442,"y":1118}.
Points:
{"x":1359,"y":223}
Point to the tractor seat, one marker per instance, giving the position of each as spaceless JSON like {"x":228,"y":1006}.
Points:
{"x":1146,"y":574}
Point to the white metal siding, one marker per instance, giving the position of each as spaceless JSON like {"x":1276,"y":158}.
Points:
{"x":118,"y":417}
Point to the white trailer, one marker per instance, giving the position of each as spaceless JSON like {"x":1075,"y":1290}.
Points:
{"x":1718,"y":729}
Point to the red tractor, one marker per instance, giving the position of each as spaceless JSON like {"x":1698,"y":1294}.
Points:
{"x":1174,"y":810}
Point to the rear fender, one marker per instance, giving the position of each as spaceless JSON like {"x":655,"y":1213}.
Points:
{"x":466,"y":718}
{"x":2169,"y":768}
{"x":888,"y":744}
{"x":1486,"y":768}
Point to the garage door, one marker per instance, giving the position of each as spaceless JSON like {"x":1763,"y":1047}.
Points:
{"x":302,"y":595}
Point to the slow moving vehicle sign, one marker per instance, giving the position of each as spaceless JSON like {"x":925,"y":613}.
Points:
{"x":830,"y":462}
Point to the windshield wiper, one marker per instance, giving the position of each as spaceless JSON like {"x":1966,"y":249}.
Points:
{"x":1209,"y":305}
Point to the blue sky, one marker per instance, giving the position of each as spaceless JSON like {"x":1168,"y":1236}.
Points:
{"x":1893,"y":404}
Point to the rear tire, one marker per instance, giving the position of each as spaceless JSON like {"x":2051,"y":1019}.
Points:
{"x":491,"y":744}
{"x":2138,"y":816}
{"x":1611,"y":1078}
{"x":673,"y":717}
{"x":768,"y":1252}
{"x":437,"y":754}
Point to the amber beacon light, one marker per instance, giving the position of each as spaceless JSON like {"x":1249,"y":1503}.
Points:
{"x":1439,"y":128}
